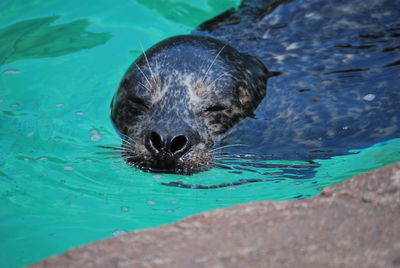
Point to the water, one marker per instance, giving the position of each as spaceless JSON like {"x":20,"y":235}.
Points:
{"x":60,"y":63}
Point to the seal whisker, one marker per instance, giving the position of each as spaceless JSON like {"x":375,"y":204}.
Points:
{"x":127,"y":142}
{"x":143,"y":86}
{"x":148,"y":64}
{"x":110,"y":150}
{"x":218,"y":154}
{"x":109,"y":153}
{"x":215,"y":80}
{"x":219,"y":165}
{"x":126,"y":145}
{"x":125,"y":150}
{"x":230,"y":156}
{"x":113,"y":157}
{"x":143,"y":73}
{"x":226,"y":146}
{"x":127,"y":139}
{"x":225,"y":156}
{"x":226,"y":161}
{"x":212,"y":63}
{"x":116,"y":137}
{"x":108,"y":147}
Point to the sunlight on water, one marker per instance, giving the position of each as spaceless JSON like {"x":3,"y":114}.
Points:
{"x":59,"y":188}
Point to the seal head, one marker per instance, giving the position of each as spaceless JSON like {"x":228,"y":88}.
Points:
{"x":177,"y":100}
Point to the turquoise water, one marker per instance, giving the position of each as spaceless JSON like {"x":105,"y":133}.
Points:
{"x":60,"y":63}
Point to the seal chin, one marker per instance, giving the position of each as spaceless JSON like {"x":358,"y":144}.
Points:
{"x":190,"y":163}
{"x":171,"y":167}
{"x":165,"y":162}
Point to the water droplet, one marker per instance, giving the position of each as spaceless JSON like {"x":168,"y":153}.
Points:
{"x":59,"y":104}
{"x":151,"y":202}
{"x":157,"y":176}
{"x":95,"y":135}
{"x":68,"y":168}
{"x":124,"y":209}
{"x":369,"y":97}
{"x":345,"y":128}
{"x":30,"y":134}
{"x":15,"y":105}
{"x":79,"y":113}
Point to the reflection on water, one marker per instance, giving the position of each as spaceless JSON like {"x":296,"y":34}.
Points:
{"x":38,"y":38}
{"x":246,"y":169}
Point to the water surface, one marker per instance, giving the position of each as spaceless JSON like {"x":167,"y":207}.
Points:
{"x":60,"y":63}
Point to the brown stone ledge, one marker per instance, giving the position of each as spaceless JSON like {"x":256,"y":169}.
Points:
{"x":353,"y":224}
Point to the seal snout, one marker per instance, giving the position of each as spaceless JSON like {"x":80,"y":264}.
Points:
{"x":175,"y":145}
{"x":167,"y":147}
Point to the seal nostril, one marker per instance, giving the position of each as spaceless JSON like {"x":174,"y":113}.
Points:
{"x":178,"y":143}
{"x":156,"y":141}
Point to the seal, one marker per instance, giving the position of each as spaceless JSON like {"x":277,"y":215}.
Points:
{"x":337,"y":89}
{"x":177,"y":99}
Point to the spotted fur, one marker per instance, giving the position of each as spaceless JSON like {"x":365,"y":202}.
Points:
{"x":339,"y":87}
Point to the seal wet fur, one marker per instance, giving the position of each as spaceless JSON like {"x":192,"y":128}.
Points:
{"x":179,"y":97}
{"x":338,"y":89}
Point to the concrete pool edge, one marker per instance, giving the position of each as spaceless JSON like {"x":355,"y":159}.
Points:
{"x":352,"y":224}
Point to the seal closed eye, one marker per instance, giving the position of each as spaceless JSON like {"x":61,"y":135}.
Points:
{"x":176,"y":101}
